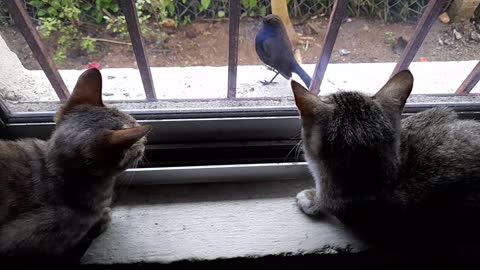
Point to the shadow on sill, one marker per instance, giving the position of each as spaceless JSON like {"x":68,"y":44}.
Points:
{"x":363,"y":260}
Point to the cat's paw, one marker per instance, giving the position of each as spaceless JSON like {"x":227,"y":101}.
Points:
{"x":308,"y":203}
{"x":105,"y":220}
{"x":102,"y":224}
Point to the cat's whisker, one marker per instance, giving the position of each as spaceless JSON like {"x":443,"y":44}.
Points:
{"x":289,"y":152}
{"x":126,"y":184}
{"x":144,"y":159}
{"x":298,"y":152}
{"x":295,"y":149}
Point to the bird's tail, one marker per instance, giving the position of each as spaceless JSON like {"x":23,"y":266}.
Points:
{"x":303,"y":75}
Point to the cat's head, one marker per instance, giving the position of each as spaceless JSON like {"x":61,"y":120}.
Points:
{"x":348,"y":121}
{"x":93,"y":138}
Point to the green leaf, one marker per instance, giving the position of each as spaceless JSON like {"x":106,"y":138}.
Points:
{"x":114,"y":8}
{"x":87,"y":6}
{"x":55,"y":4}
{"x":36,"y":3}
{"x":263,"y":11}
{"x":171,"y":9}
{"x":253,"y":3}
{"x":205,"y":4}
{"x":41,"y":12}
{"x":52,"y":11}
{"x":99,"y":17}
{"x":221,"y":14}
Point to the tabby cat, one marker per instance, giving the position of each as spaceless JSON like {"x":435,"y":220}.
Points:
{"x":56,"y":194}
{"x":371,"y":167}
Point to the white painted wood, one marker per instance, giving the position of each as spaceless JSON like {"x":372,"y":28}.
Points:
{"x":215,"y":173}
{"x":170,"y":223}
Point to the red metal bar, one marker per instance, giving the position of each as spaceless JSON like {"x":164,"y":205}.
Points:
{"x":426,"y":21}
{"x":471,"y":80}
{"x":26,"y":27}
{"x":338,"y":13}
{"x":233,"y":32}
{"x":130,"y":12}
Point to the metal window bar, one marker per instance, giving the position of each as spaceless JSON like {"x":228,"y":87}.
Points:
{"x":233,"y":33}
{"x":18,"y":10}
{"x":24,"y":24}
{"x":339,"y":12}
{"x":426,"y":21}
{"x":471,"y":80}
{"x":133,"y":25}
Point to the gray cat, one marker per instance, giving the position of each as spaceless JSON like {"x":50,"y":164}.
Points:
{"x":371,"y":167}
{"x":55,"y":195}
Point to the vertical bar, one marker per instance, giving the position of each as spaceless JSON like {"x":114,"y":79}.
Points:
{"x":471,"y":80}
{"x":22,"y":20}
{"x":4,"y":114}
{"x":233,"y":32}
{"x":338,"y":13}
{"x":130,"y":12}
{"x":432,"y":11}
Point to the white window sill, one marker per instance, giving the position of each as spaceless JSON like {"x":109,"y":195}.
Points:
{"x":170,"y":223}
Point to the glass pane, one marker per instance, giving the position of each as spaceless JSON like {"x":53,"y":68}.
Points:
{"x":186,"y":43}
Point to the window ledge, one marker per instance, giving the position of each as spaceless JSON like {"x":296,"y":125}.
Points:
{"x":170,"y":223}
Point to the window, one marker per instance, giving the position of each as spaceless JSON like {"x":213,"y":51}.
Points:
{"x":206,"y":101}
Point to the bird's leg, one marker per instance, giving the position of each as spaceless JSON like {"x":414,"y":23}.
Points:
{"x":271,"y":69}
{"x":271,"y":81}
{"x":274,"y":77}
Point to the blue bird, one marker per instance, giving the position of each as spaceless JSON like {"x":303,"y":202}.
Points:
{"x":274,"y":49}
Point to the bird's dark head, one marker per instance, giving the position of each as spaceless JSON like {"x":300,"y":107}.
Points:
{"x":272,"y":20}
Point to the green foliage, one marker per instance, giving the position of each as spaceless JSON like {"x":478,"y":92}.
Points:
{"x":88,"y":44}
{"x":186,"y":20}
{"x":101,"y":5}
{"x":118,"y":24}
{"x":254,"y":8}
{"x":65,"y":41}
{"x":158,"y":9}
{"x":63,"y":19}
{"x":60,"y":17}
{"x":68,"y":10}
{"x":204,"y":5}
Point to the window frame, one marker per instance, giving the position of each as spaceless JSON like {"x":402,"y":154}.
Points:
{"x":269,"y":123}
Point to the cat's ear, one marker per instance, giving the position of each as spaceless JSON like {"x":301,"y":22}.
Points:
{"x":125,"y":138}
{"x":88,"y":90}
{"x":305,"y":100}
{"x":397,"y":89}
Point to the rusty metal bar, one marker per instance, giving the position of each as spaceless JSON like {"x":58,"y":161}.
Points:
{"x":26,"y":27}
{"x":233,"y":32}
{"x":432,"y":11}
{"x":471,"y":80}
{"x":338,"y":13}
{"x":4,"y":114}
{"x":130,"y":12}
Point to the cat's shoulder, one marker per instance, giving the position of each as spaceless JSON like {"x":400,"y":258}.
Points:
{"x":21,"y":147}
{"x":431,"y":117}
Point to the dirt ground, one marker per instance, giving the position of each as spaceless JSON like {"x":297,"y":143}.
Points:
{"x":205,"y":43}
